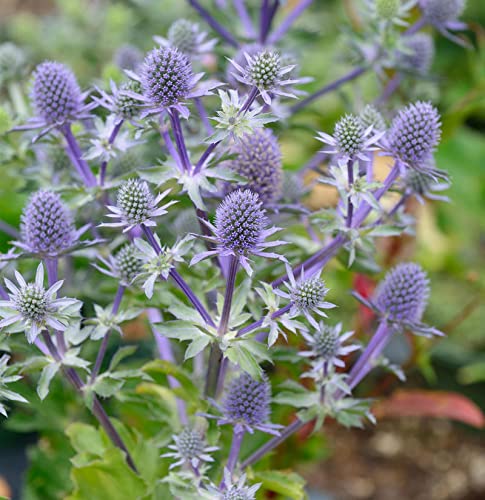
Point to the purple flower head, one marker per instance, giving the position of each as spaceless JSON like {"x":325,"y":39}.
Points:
{"x":247,"y":405}
{"x":414,"y":134}
{"x":189,"y":447}
{"x":55,"y":92}
{"x":166,"y":76}
{"x":128,"y":57}
{"x":135,"y":204}
{"x":47,"y":228}
{"x":403,"y":294}
{"x":259,"y":161}
{"x":441,"y":13}
{"x":418,"y":54}
{"x":239,"y":229}
{"x":372,"y":117}
{"x":240,"y":221}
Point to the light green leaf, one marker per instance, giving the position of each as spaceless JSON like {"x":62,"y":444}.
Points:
{"x":45,"y":379}
{"x":287,"y":484}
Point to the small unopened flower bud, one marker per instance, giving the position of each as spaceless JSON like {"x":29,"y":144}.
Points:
{"x":190,"y":443}
{"x":259,"y":161}
{"x":264,"y":69}
{"x":12,"y":62}
{"x":183,"y":35}
{"x":326,"y":342}
{"x":419,"y":54}
{"x":126,"y":106}
{"x":240,"y":221}
{"x":248,"y":400}
{"x":55,"y":92}
{"x":387,"y":9}
{"x":404,"y":292}
{"x":135,"y":201}
{"x":309,"y":294}
{"x":414,"y":134}
{"x":47,"y":227}
{"x":349,"y":134}
{"x":128,"y":57}
{"x":166,"y":76}
{"x":128,"y":263}
{"x":371,"y":116}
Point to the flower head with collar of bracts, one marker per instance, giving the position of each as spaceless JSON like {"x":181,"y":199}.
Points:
{"x":167,"y":80}
{"x":246,"y":406}
{"x":187,"y":37}
{"x":401,"y":299}
{"x":306,"y":296}
{"x":326,"y":347}
{"x":240,"y":230}
{"x":233,"y":490}
{"x":265,"y":72}
{"x":155,"y":264}
{"x":351,"y":141}
{"x":57,"y":99}
{"x":135,"y":205}
{"x":31,"y":308}
{"x":125,"y":265}
{"x":422,"y":185}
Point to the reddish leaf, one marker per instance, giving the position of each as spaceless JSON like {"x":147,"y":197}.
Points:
{"x":438,"y":404}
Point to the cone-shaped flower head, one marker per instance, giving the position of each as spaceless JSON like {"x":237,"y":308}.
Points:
{"x":349,"y":134}
{"x":135,"y":204}
{"x":240,"y":220}
{"x":414,"y":134}
{"x":46,"y":226}
{"x":259,"y":161}
{"x":166,"y":76}
{"x":189,"y":447}
{"x":309,"y":294}
{"x":125,"y":105}
{"x":247,"y":401}
{"x":55,"y":92}
{"x":128,"y":57}
{"x":441,"y":12}
{"x":370,"y":116}
{"x":264,"y":68}
{"x":419,"y":53}
{"x":128,"y":263}
{"x":403,"y":294}
{"x":12,"y":62}
{"x":240,"y":59}
{"x":31,"y":307}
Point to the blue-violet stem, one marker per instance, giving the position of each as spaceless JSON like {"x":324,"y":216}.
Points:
{"x":104,"y":344}
{"x":216,"y":26}
{"x":75,"y":154}
{"x":237,"y":438}
{"x":352,"y":75}
{"x":111,"y":139}
{"x":179,"y":139}
{"x":288,"y":21}
{"x":246,"y":21}
{"x":350,"y":205}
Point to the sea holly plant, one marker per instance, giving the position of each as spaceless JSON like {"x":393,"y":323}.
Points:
{"x":238,"y":294}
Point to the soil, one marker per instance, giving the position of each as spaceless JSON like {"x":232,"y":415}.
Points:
{"x":401,"y":460}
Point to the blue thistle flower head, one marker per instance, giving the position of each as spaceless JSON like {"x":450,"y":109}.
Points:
{"x":441,"y":12}
{"x":240,"y":221}
{"x":166,"y":77}
{"x":259,"y":161}
{"x":55,"y":92}
{"x":124,"y":104}
{"x":183,"y":35}
{"x":308,"y":294}
{"x":47,"y":227}
{"x":403,"y":294}
{"x":247,"y":402}
{"x":414,"y":134}
{"x":419,"y":53}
